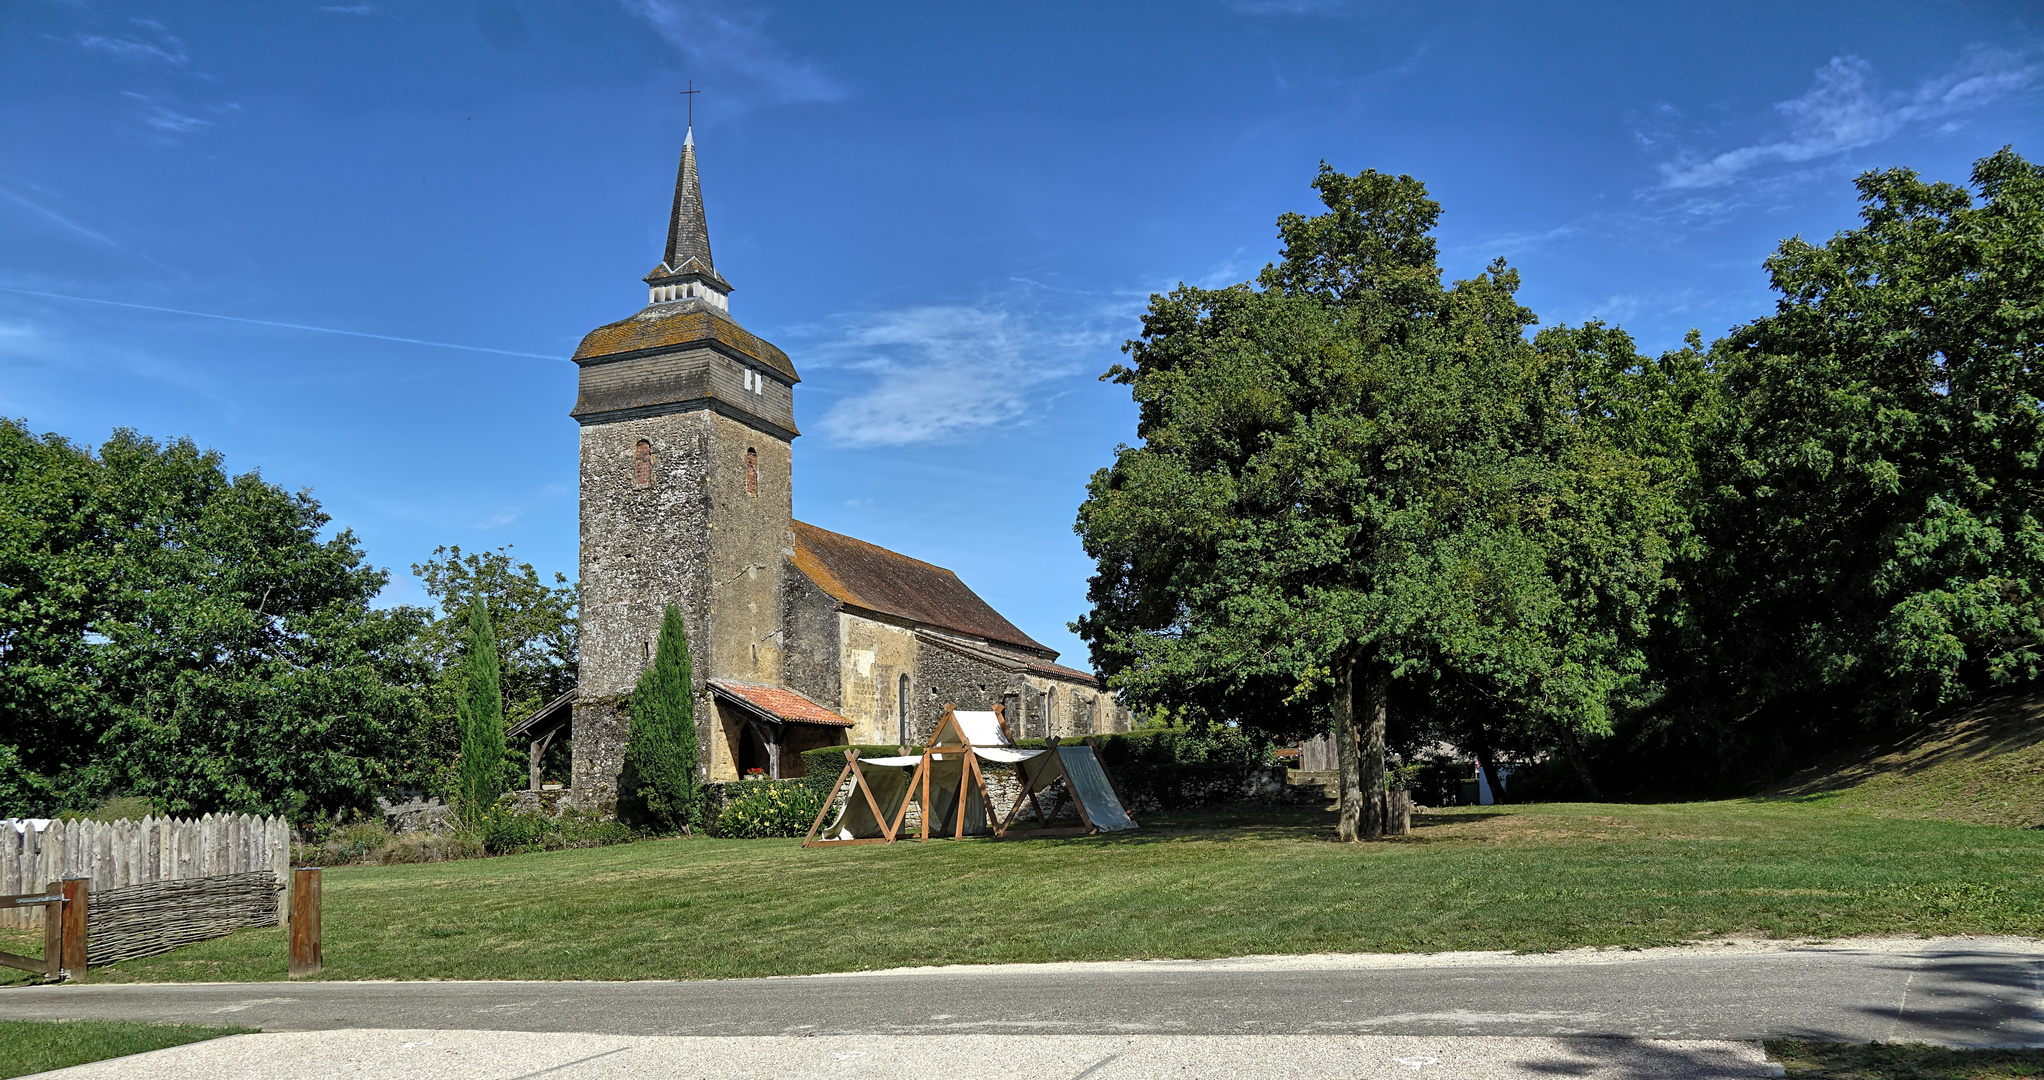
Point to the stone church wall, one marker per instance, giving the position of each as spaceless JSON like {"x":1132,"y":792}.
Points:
{"x":811,"y":661}
{"x":645,"y":544}
{"x":749,"y":505}
{"x":943,"y":676}
{"x":874,"y":656}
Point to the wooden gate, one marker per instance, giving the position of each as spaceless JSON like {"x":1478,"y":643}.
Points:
{"x":51,"y":901}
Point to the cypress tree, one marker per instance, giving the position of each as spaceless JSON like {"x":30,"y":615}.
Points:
{"x":479,"y":773}
{"x":660,"y":753}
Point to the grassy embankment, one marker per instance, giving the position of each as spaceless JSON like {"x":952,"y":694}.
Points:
{"x":1193,"y":885}
{"x":1982,"y":764}
{"x":33,"y":1046}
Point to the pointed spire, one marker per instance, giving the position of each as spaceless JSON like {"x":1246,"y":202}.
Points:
{"x":688,"y":234}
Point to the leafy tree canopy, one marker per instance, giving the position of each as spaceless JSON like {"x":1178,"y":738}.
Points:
{"x":1353,"y":470}
{"x":532,"y":622}
{"x":169,"y":631}
{"x":1869,"y":493}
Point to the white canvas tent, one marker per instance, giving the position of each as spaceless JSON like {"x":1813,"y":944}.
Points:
{"x":946,"y":782}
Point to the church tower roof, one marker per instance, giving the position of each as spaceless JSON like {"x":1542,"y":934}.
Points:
{"x":687,"y":258}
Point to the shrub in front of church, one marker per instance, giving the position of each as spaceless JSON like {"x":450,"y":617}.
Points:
{"x":507,"y":830}
{"x":660,"y":786}
{"x":770,"y":808}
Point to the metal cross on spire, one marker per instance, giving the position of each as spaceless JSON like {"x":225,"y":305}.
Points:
{"x":688,"y":95}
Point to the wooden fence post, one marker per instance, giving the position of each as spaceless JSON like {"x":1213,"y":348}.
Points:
{"x":77,"y":890}
{"x":53,"y":933}
{"x":305,"y":958}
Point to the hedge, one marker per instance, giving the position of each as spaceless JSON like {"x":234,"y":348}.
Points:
{"x":1171,"y":769}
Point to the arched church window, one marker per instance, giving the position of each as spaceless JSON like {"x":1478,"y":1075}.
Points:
{"x":642,"y":464}
{"x":901,"y":705}
{"x":751,"y":471}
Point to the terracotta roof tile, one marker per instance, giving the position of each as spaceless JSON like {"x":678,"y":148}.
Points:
{"x":865,"y":575}
{"x":779,"y":703}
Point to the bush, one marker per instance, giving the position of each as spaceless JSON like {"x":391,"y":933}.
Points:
{"x":822,"y":765}
{"x":769,"y":808}
{"x":124,"y":808}
{"x":508,"y":830}
{"x":662,"y":784}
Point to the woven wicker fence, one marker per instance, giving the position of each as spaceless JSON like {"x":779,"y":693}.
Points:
{"x":119,"y":854}
{"x":145,"y":920}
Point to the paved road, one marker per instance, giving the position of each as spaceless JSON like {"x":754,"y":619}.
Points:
{"x":1960,"y":992}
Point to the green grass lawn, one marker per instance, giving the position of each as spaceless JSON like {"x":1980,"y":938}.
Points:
{"x":1902,"y":1061}
{"x":1223,"y":883}
{"x":33,"y":1046}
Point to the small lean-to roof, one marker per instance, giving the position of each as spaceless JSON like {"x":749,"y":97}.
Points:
{"x":776,"y":703}
{"x":863,"y":575}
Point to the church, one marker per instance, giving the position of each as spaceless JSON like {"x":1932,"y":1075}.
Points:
{"x":800,"y":637}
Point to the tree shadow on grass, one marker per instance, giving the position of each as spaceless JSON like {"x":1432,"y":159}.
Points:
{"x":1234,"y":822}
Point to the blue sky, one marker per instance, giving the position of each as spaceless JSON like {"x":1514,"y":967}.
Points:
{"x":949,"y":215}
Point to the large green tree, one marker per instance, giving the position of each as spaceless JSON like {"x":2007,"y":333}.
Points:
{"x":170,"y":631}
{"x":1358,"y":487}
{"x":1869,"y":500}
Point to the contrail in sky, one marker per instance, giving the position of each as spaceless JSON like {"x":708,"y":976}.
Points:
{"x":283,"y":325}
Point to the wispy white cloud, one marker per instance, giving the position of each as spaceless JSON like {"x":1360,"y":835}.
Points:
{"x":163,"y":119}
{"x":732,"y":46}
{"x":940,"y":372}
{"x":1517,"y":243}
{"x":154,"y":43}
{"x":1847,"y":110}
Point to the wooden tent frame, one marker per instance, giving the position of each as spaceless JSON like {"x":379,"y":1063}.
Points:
{"x":969,"y":776}
{"x":1026,"y":796}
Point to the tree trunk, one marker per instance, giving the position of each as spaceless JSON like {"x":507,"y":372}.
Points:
{"x":1573,"y":750}
{"x":1371,"y":751}
{"x":1345,"y":752}
{"x":1488,"y":761}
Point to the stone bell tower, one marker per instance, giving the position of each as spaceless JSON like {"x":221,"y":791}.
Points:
{"x":687,"y":421}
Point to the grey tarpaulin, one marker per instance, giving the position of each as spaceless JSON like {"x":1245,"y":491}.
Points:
{"x":1088,"y":784}
{"x":1085,"y":782}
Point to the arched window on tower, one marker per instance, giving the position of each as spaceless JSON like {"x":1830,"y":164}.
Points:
{"x":642,"y":464}
{"x":751,"y":471}
{"x":901,"y":705}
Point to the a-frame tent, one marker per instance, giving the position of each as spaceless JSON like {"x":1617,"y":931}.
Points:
{"x":1086,"y":784}
{"x":946,"y":781}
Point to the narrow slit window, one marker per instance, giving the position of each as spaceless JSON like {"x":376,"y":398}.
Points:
{"x":751,"y":471}
{"x":642,"y":464}
{"x":901,"y":708}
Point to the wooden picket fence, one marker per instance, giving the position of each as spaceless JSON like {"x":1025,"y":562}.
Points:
{"x":118,"y":854}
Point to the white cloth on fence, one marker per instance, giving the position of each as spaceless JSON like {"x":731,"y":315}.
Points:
{"x":980,"y":728}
